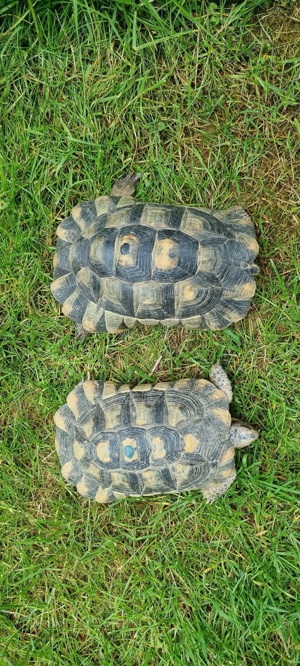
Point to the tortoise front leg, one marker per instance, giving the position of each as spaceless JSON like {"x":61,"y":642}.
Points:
{"x":218,"y":486}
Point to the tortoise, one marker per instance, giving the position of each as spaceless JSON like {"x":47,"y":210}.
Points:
{"x":113,"y":441}
{"x":118,"y":262}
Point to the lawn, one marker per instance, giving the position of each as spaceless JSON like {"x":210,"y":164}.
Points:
{"x":203,"y":100}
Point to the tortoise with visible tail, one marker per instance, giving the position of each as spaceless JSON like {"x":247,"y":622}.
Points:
{"x":113,"y":441}
{"x":118,"y":262}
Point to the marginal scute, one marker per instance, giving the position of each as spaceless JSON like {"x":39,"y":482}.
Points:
{"x":102,"y":204}
{"x":63,"y":287}
{"x":109,"y":389}
{"x":102,"y":496}
{"x":181,"y":384}
{"x":142,"y":387}
{"x":228,"y":456}
{"x":68,"y":230}
{"x":76,"y":213}
{"x":91,"y":390}
{"x":73,"y":403}
{"x":82,"y":487}
{"x":114,"y":322}
{"x":125,"y":388}
{"x":62,"y":418}
{"x":92,"y":316}
{"x":67,"y":469}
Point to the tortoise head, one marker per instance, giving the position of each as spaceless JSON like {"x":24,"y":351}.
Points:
{"x":242,"y":434}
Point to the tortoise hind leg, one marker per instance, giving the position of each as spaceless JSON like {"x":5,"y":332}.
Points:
{"x":81,"y":333}
{"x":125,"y":185}
{"x":218,"y":487}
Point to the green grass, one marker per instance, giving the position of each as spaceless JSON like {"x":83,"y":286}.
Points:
{"x":203,"y":100}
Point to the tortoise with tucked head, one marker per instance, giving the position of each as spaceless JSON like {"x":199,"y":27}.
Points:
{"x":113,"y":441}
{"x":118,"y":262}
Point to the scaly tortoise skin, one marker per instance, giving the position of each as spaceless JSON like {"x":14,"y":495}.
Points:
{"x":113,"y":441}
{"x":118,"y":262}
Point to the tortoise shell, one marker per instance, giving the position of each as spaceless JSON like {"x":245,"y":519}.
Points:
{"x":113,"y":441}
{"x":118,"y":262}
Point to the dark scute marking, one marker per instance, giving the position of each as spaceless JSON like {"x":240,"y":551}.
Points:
{"x":163,"y":483}
{"x":63,"y":292}
{"x":231,"y":275}
{"x":95,"y":228}
{"x":175,"y":219}
{"x":89,"y":452}
{"x":205,"y":279}
{"x":213,"y":241}
{"x":152,"y":402}
{"x":237,"y":252}
{"x":163,"y":309}
{"x":160,"y":407}
{"x":135,"y":483}
{"x":64,"y":451}
{"x":237,"y":228}
{"x":213,"y":224}
{"x":62,"y":251}
{"x":103,"y":264}
{"x":136,"y":213}
{"x":127,"y":299}
{"x":124,"y":306}
{"x":68,"y":417}
{"x":142,"y":269}
{"x":89,"y":285}
{"x":76,"y":472}
{"x":92,"y":485}
{"x":88,"y":212}
{"x":133,"y":480}
{"x":84,"y":407}
{"x":72,"y":228}
{"x":188,"y":402}
{"x":187,"y":257}
{"x":241,"y":307}
{"x":168,"y":482}
{"x":205,"y":301}
{"x":79,"y":254}
{"x":113,"y":201}
{"x":94,"y":415}
{"x":198,"y":473}
{"x":124,"y":400}
{"x":78,"y":307}
{"x":101,"y":325}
